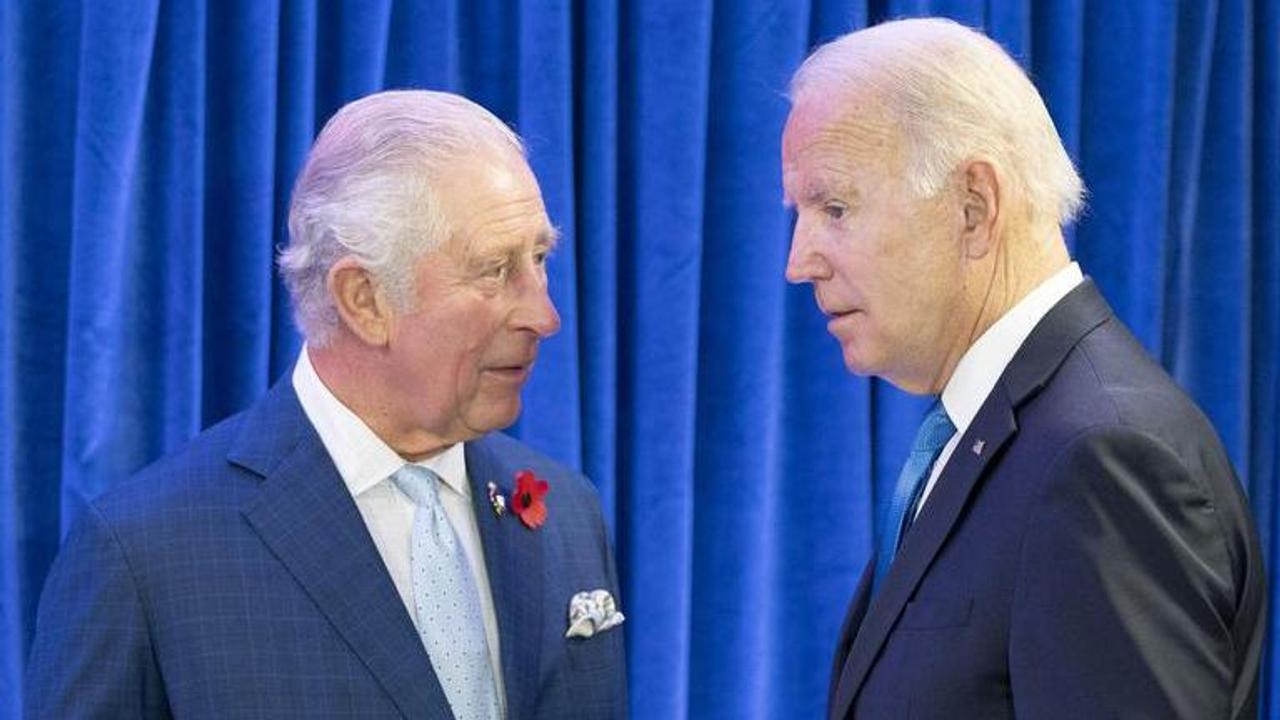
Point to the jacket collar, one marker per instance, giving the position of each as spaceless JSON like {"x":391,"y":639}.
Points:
{"x":304,"y":513}
{"x":513,"y":555}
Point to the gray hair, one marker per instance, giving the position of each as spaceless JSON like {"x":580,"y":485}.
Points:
{"x":955,"y":95}
{"x":368,"y":190}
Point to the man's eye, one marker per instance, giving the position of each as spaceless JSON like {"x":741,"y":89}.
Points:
{"x":496,"y":272}
{"x":540,"y":257}
{"x":834,"y":211}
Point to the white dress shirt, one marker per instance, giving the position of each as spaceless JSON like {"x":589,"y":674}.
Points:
{"x":366,"y":464}
{"x":985,"y":361}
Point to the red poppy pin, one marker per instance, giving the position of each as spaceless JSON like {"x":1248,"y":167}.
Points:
{"x":526,"y":501}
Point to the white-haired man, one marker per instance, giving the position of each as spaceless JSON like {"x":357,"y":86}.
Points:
{"x":361,"y":543}
{"x":1067,"y":538}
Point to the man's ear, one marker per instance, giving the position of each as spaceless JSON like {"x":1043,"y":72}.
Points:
{"x":361,"y":302}
{"x":981,"y":204}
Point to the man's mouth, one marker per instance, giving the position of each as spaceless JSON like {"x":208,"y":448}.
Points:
{"x":838,"y":320}
{"x":514,"y":371}
{"x":836,"y":313}
{"x":832,"y":310}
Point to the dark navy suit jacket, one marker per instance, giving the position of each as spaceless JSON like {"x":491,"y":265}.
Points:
{"x":1086,"y":553}
{"x":236,"y":579}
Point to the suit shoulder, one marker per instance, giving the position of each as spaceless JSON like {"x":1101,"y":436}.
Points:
{"x":197,"y":473}
{"x":1114,"y":423}
{"x":1110,"y":405}
{"x":518,"y":454}
{"x":1109,"y":380}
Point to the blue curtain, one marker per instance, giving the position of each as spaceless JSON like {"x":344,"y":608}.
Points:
{"x":146,"y":155}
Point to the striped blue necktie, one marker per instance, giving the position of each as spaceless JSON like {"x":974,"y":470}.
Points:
{"x":935,"y":430}
{"x":448,"y":613}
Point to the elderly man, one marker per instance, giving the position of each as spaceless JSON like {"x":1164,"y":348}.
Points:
{"x":1067,"y":538}
{"x":360,"y":543}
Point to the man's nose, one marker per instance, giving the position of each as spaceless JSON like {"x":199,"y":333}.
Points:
{"x":803,"y":264}
{"x":537,"y":313}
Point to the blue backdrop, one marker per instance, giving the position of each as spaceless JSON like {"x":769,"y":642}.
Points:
{"x":146,"y":154}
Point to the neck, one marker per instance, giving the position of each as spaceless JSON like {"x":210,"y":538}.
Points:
{"x":1020,"y":263}
{"x":352,"y":372}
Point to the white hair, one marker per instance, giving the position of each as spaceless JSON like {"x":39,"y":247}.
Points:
{"x":955,"y":95}
{"x":368,"y":190}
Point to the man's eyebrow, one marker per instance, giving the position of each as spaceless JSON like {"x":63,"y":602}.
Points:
{"x":815,"y":192}
{"x":812,"y":193}
{"x":549,"y":237}
{"x":809,"y":193}
{"x":827,"y":188}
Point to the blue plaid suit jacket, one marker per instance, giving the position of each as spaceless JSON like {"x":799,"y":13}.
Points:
{"x":236,"y":579}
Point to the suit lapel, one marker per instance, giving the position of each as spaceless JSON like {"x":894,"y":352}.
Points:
{"x":852,"y":621}
{"x":994,"y":425}
{"x":513,"y":557}
{"x":992,"y":428}
{"x":307,"y":517}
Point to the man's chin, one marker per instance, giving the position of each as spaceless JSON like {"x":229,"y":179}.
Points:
{"x":496,"y":416}
{"x":862,"y":368}
{"x":857,"y":363}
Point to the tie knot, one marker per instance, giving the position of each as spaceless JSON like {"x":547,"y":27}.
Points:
{"x":935,"y":430}
{"x":418,"y":483}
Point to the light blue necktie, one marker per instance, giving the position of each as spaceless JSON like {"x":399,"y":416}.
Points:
{"x":935,"y":430}
{"x":447,"y":602}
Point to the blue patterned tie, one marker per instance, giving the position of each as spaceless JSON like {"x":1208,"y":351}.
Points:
{"x":447,"y":602}
{"x":935,"y":430}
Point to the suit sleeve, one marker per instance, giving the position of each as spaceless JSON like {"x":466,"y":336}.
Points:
{"x":1125,"y":590}
{"x":92,"y":655}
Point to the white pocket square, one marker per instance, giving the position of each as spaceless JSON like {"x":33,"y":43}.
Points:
{"x":592,"y":612}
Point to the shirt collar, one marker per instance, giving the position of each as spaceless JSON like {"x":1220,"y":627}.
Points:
{"x":361,"y":457}
{"x":451,"y":467}
{"x":985,"y":361}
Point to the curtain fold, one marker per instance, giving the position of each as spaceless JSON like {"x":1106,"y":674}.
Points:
{"x":544,"y":115}
{"x":147,"y":153}
{"x":595,"y":73}
{"x":38,"y":81}
{"x":112,"y":266}
{"x":662,"y":130}
{"x":740,"y":313}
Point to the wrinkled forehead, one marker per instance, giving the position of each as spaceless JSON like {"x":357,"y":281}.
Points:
{"x":487,"y":177}
{"x":495,"y":198}
{"x":828,"y":137}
